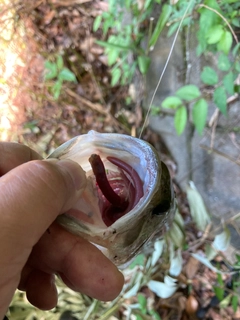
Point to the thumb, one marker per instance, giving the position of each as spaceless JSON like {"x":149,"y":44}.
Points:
{"x":32,"y":196}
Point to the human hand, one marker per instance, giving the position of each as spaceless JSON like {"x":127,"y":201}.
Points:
{"x":33,"y":248}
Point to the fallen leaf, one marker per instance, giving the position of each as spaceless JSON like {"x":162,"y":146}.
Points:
{"x":49,"y":16}
{"x":191,"y":267}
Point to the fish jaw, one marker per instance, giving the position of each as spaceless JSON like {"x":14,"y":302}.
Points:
{"x":127,"y":235}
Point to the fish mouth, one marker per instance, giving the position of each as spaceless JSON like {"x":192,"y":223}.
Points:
{"x":122,"y":179}
{"x":118,"y":192}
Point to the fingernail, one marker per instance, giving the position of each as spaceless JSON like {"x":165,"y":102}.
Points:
{"x":77,"y":174}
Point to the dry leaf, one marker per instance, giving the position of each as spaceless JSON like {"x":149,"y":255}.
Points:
{"x":191,"y":267}
{"x":49,"y":16}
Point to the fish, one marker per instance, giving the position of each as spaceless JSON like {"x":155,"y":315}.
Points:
{"x":128,"y":201}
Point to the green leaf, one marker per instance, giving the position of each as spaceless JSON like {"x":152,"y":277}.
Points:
{"x":143,"y":302}
{"x":164,"y":16}
{"x":237,"y":66}
{"x":220,"y":280}
{"x":228,"y":82}
{"x":219,"y":292}
{"x":223,"y":62}
{"x":236,"y":22}
{"x":60,"y":62}
{"x":138,"y":261}
{"x":96,"y":23}
{"x":225,"y":42}
{"x":209,"y":76}
{"x":67,"y":75}
{"x":180,"y":119}
{"x":143,"y":63}
{"x":171,"y":103}
{"x":199,"y":114}
{"x":237,"y":88}
{"x":108,"y":22}
{"x":114,"y":45}
{"x":225,"y":302}
{"x":56,"y":89}
{"x":214,"y":34}
{"x":220,"y":99}
{"x":113,"y":55}
{"x":147,"y":4}
{"x":234,"y":303}
{"x":116,"y":75}
{"x":188,"y":92}
{"x":172,"y":28}
{"x":155,"y":315}
{"x":208,"y":18}
{"x":236,"y":49}
{"x":52,"y":73}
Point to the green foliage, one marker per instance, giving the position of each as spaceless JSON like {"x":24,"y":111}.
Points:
{"x":57,"y":72}
{"x":199,"y":114}
{"x":209,"y":76}
{"x":180,"y":119}
{"x":125,"y":37}
{"x":188,"y":93}
{"x":142,"y":303}
{"x":225,"y":299}
{"x":220,"y":99}
{"x":215,"y":22}
{"x":162,"y":20}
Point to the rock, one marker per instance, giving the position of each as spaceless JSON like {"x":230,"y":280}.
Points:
{"x":211,"y":161}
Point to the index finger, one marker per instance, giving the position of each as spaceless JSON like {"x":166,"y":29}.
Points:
{"x":14,"y":154}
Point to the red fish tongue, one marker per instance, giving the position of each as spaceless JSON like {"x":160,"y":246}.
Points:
{"x":115,"y":206}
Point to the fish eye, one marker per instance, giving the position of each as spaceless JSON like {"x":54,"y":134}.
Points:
{"x":161,"y":208}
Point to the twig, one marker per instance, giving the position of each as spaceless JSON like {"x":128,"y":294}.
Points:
{"x":214,"y":126}
{"x":200,"y":241}
{"x":96,"y":107}
{"x":213,"y":118}
{"x":64,"y":3}
{"x":220,"y":153}
{"x":228,"y":221}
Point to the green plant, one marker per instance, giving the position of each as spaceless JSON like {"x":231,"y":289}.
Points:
{"x":215,"y":34}
{"x":127,"y":36}
{"x":57,"y":72}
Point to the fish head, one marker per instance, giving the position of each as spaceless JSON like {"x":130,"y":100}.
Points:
{"x":138,"y":179}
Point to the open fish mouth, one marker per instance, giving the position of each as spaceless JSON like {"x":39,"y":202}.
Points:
{"x":128,"y":198}
{"x":118,"y":191}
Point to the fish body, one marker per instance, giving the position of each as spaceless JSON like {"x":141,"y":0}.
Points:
{"x":146,"y":186}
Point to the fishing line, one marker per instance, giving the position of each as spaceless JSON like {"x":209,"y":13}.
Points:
{"x":165,"y":67}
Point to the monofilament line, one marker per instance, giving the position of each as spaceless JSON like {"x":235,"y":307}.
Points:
{"x":165,"y":67}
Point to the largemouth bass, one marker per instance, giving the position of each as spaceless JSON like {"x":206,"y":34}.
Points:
{"x":128,"y":200}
